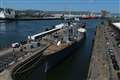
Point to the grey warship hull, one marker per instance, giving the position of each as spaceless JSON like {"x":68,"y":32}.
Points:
{"x":53,"y":54}
{"x":56,"y":58}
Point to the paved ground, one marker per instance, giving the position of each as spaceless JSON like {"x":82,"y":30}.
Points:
{"x":113,"y":45}
{"x":9,"y":59}
{"x":7,"y":62}
{"x":101,"y":65}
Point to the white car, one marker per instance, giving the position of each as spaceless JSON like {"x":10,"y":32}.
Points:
{"x":15,"y":45}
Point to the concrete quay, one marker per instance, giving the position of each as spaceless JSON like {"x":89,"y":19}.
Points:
{"x":10,"y":67}
{"x":102,"y":65}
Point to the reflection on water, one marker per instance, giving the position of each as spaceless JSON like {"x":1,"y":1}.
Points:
{"x":2,"y":27}
{"x":7,"y":27}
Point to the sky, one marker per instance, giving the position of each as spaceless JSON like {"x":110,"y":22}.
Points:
{"x":64,"y":5}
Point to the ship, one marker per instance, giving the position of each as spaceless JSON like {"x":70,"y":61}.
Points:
{"x":63,"y":43}
{"x":7,"y":14}
{"x":64,"y":39}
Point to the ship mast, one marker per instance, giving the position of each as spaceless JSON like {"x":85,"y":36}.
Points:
{"x":69,"y":13}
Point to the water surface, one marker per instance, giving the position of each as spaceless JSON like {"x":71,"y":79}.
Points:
{"x":74,"y":67}
{"x":15,"y":31}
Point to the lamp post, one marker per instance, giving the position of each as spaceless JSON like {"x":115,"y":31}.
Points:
{"x":14,"y":54}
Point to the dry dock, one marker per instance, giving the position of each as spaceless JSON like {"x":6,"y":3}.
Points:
{"x":8,"y":72}
{"x":104,"y":63}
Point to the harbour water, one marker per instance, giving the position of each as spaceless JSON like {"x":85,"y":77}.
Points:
{"x":74,"y":67}
{"x":15,"y":31}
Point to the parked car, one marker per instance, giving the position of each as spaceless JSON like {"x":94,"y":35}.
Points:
{"x":118,"y":75}
{"x":114,"y":61}
{"x":112,"y":56}
{"x":116,"y":67}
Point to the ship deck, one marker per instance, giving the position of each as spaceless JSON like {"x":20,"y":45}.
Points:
{"x":55,"y":46}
